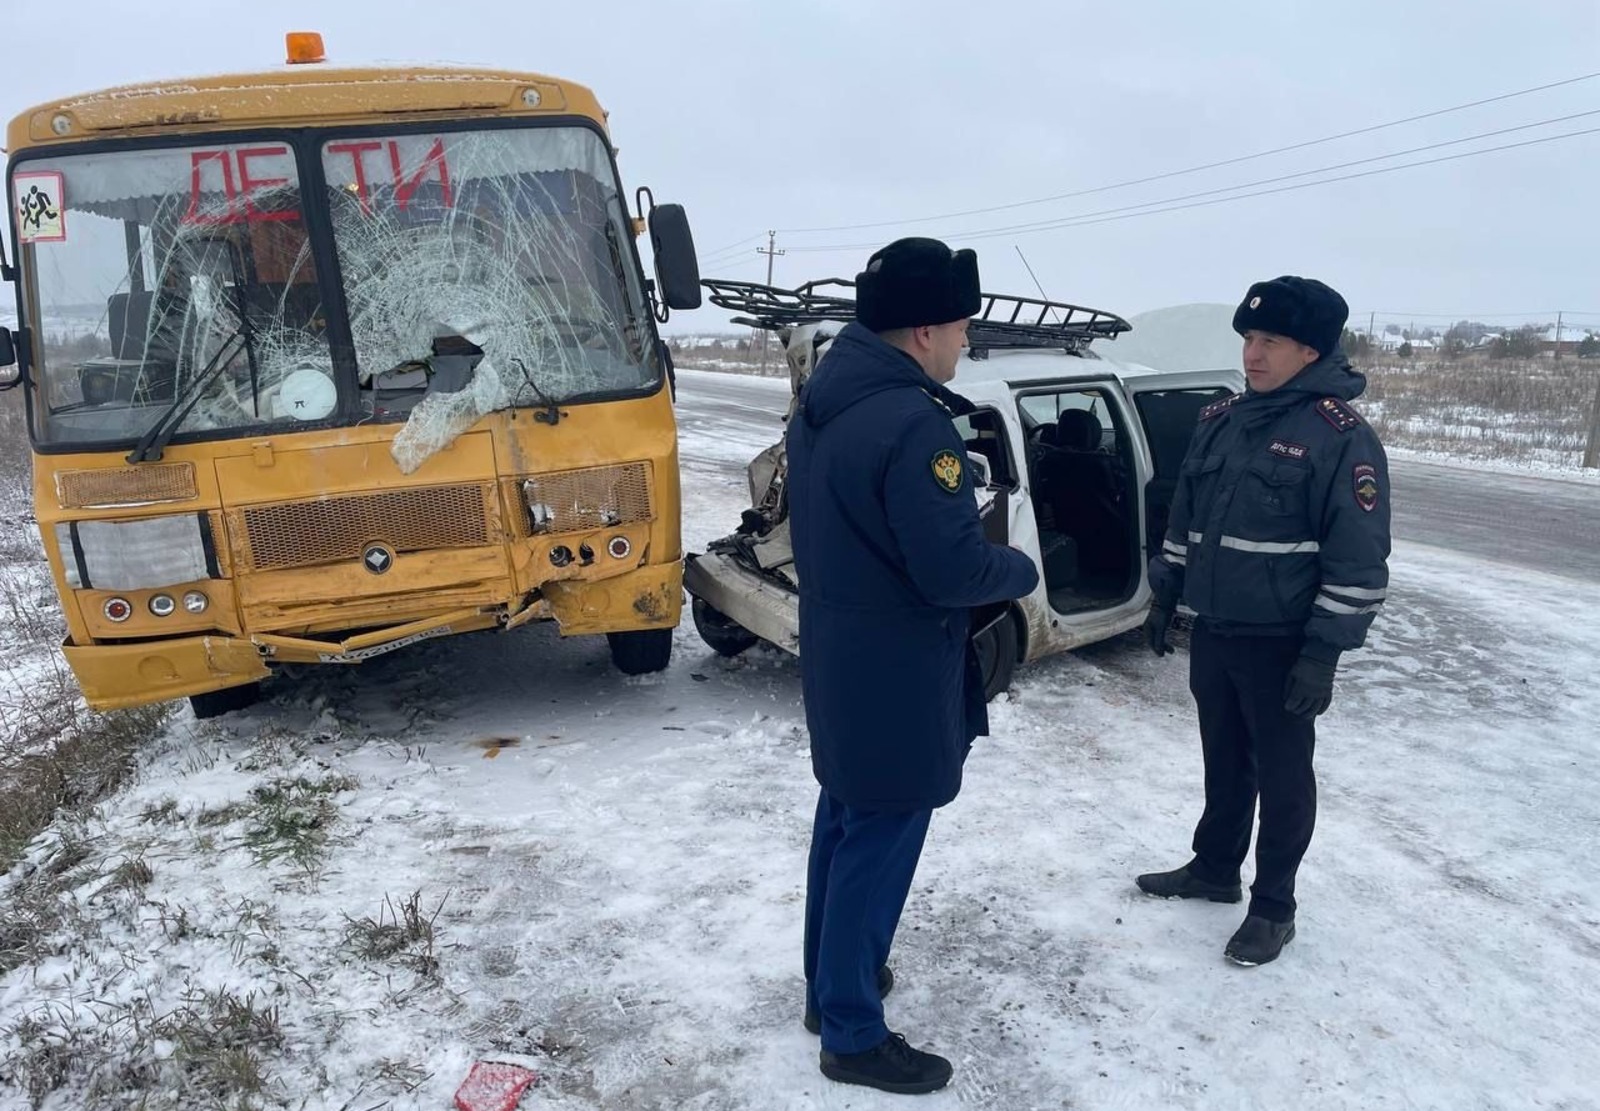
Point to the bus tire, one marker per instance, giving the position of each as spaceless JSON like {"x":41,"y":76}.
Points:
{"x":641,"y":652}
{"x":724,"y":635}
{"x":216,"y":703}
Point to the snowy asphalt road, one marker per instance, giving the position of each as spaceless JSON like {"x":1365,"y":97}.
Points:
{"x":1547,"y":524}
{"x":1537,"y":523}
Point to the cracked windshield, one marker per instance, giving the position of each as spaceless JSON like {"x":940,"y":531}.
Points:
{"x":178,"y":293}
{"x":481,"y":269}
{"x":491,"y":263}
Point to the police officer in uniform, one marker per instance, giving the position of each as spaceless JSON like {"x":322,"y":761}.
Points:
{"x":1279,"y":542}
{"x":890,"y":555}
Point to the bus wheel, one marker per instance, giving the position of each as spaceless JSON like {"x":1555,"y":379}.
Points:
{"x":997,"y":652}
{"x":725,"y":636}
{"x":216,"y":703}
{"x":642,"y":652}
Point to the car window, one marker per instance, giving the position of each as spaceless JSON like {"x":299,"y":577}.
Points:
{"x":984,"y":433}
{"x":1043,"y":410}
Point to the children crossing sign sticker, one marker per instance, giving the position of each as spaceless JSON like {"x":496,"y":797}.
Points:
{"x":41,"y":213}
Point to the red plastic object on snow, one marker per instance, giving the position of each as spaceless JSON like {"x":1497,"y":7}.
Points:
{"x":494,"y":1086}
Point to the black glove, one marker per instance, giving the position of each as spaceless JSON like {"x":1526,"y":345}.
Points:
{"x":1155,"y":630}
{"x":1309,"y":688}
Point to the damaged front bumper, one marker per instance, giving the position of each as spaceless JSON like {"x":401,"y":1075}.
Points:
{"x":770,"y":611}
{"x":121,"y":675}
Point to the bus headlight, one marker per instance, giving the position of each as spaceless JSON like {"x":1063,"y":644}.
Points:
{"x":195,"y":602}
{"x":162,"y":605}
{"x":145,"y":553}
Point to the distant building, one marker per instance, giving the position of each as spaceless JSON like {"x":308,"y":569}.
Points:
{"x":1565,"y":344}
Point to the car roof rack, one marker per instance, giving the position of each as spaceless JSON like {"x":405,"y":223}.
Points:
{"x":1002,"y":321}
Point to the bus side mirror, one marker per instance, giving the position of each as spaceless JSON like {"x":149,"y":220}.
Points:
{"x":677,"y":269}
{"x":10,"y":372}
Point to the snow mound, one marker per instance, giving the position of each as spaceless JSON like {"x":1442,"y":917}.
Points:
{"x":1180,"y":337}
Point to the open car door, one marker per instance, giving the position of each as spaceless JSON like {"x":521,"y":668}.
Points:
{"x":1168,"y":405}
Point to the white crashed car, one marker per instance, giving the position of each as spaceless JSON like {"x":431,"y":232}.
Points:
{"x":1075,"y":458}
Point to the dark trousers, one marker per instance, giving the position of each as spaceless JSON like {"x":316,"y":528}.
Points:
{"x":1252,"y":746}
{"x":860,"y":873}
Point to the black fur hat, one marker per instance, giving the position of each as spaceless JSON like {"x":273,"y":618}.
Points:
{"x":913,"y":282}
{"x":1303,"y":309}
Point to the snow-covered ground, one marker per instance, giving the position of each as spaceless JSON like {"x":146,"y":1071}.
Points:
{"x":616,"y":867}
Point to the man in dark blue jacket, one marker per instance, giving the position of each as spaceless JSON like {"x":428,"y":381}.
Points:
{"x":890,"y":555}
{"x":1279,"y":542}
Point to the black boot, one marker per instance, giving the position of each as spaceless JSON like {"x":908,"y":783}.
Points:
{"x":1258,"y":941}
{"x":813,"y":1021}
{"x":889,"y":1066}
{"x":1180,"y":883}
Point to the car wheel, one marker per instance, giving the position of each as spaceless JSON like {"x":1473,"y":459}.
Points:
{"x":641,"y":652}
{"x":725,"y":635}
{"x":997,"y":649}
{"x":213,"y":704}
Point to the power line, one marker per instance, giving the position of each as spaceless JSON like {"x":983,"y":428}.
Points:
{"x":1306,"y":173}
{"x":1207,"y":166}
{"x":725,"y":255}
{"x":731,"y":246}
{"x":1108,"y":216}
{"x":1331,"y":168}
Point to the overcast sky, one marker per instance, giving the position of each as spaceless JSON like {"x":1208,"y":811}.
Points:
{"x":800,"y":115}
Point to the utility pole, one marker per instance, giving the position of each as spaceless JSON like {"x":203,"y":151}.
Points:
{"x":1558,"y":337}
{"x":771,"y":252}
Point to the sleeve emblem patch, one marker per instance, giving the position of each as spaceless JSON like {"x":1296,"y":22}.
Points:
{"x":1366,"y":483}
{"x":947,"y":471}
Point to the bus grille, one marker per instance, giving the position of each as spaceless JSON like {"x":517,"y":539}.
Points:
{"x":148,"y":482}
{"x":297,"y":534}
{"x":592,"y":498}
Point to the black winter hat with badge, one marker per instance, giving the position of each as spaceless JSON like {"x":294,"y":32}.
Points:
{"x":1303,"y":309}
{"x":915,"y":282}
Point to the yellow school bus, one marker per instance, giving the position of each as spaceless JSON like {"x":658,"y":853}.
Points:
{"x":322,"y":362}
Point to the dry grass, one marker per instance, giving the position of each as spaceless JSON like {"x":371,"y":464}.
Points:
{"x":59,"y":756}
{"x":30,"y":611}
{"x":1523,"y":411}
{"x":734,"y":354}
{"x":16,"y":460}
{"x":291,"y":819}
{"x":403,"y":935}
{"x":211,"y":1050}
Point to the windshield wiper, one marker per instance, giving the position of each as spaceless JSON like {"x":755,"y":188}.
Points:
{"x":161,"y":432}
{"x":246,"y":329}
{"x":551,"y":412}
{"x":632,"y":332}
